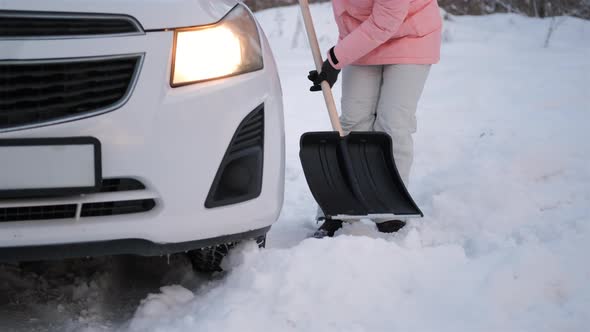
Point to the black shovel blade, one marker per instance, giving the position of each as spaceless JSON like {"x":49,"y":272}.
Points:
{"x":355,"y":175}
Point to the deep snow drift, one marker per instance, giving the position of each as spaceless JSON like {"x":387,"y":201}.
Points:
{"x":502,"y":173}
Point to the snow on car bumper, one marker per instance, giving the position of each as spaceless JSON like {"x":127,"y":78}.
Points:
{"x":171,"y":139}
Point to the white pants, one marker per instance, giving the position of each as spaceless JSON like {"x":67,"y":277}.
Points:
{"x":384,"y":98}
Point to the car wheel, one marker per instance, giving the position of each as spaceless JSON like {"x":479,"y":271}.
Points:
{"x":209,"y":259}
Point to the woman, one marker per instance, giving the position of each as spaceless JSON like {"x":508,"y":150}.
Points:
{"x":385,"y":49}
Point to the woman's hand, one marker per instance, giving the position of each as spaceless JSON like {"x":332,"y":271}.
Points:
{"x":328,"y":73}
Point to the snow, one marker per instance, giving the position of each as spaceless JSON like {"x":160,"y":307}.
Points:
{"x":502,"y":174}
{"x":170,"y":298}
{"x":354,"y":283}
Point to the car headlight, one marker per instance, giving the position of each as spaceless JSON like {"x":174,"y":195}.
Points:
{"x":226,"y":48}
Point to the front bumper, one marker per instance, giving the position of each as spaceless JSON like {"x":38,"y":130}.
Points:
{"x":112,"y":247}
{"x":172,"y":140}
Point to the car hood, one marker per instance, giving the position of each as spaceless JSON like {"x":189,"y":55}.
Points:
{"x":152,"y":14}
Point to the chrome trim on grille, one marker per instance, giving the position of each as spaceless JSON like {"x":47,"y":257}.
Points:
{"x":66,"y":15}
{"x":108,"y":109}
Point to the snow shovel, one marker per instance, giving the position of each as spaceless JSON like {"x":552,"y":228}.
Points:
{"x":351,"y":176}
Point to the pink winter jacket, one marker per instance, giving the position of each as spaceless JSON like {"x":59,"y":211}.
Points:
{"x":387,"y":32}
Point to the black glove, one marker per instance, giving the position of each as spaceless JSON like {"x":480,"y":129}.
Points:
{"x":328,"y":73}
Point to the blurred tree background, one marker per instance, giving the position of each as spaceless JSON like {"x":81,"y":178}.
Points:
{"x":535,"y":8}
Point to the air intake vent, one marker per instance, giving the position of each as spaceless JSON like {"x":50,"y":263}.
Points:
{"x":37,"y":212}
{"x":123,"y":184}
{"x":250,"y":134}
{"x":34,"y":93}
{"x":115,"y":208}
{"x":239,"y":177}
{"x":96,"y":209}
{"x":15,"y":24}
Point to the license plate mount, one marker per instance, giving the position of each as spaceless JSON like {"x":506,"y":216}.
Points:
{"x":48,"y":167}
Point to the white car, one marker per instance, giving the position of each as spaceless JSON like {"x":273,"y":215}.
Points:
{"x":136,"y":127}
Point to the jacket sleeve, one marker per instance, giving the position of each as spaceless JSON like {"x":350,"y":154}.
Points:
{"x":384,"y":21}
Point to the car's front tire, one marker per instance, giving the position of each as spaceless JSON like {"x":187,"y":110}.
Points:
{"x":209,"y":259}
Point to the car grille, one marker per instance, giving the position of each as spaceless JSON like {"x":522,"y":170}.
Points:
{"x":124,"y":184}
{"x":17,"y":24}
{"x":115,"y":208}
{"x":37,"y":212}
{"x":92,"y":209}
{"x":38,"y":92}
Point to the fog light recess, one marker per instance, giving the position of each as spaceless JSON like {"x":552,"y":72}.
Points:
{"x":239,"y":177}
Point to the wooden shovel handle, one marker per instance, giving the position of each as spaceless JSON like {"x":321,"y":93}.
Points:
{"x":317,"y":57}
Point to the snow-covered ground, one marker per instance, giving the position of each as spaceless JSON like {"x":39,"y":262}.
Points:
{"x":502,"y":174}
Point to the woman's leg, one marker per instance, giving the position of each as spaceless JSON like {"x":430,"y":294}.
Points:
{"x":396,"y":110}
{"x":360,"y":95}
{"x":396,"y":115}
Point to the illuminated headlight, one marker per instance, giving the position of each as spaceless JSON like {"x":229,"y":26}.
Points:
{"x":226,"y":48}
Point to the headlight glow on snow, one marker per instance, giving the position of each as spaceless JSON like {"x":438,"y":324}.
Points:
{"x":229,"y":47}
